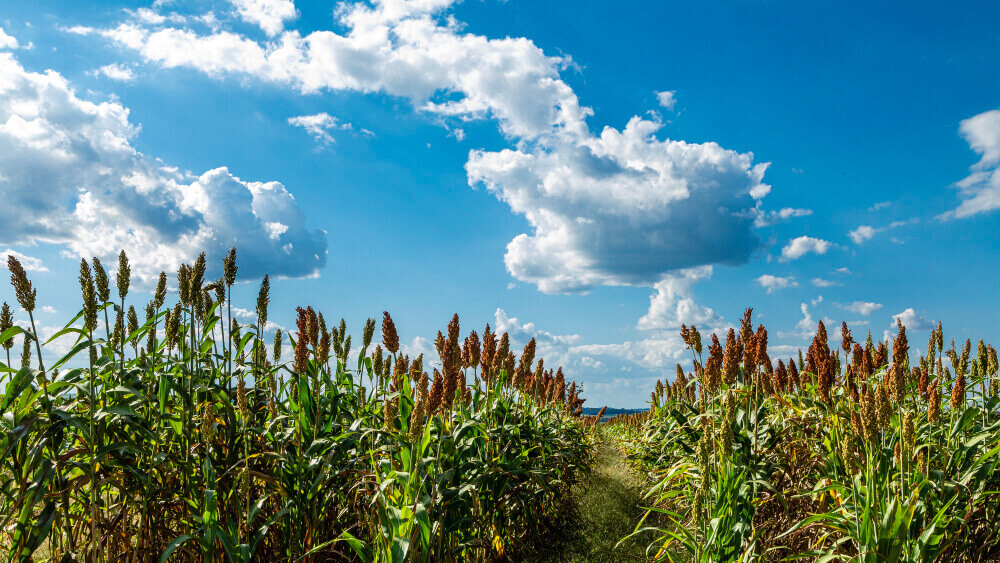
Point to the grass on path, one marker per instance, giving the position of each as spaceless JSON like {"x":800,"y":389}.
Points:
{"x":606,"y":509}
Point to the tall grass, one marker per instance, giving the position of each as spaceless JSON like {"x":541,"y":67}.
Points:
{"x":863,"y":457}
{"x":186,"y":436}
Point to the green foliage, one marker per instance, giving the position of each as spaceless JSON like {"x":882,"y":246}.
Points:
{"x":853,"y":462}
{"x":181,"y":441}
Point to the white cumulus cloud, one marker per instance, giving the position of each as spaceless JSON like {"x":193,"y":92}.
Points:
{"x":672,"y":305}
{"x":775,"y":283}
{"x":912,"y":320}
{"x":270,"y":15}
{"x":980,"y":190}
{"x":667,"y":99}
{"x":72,"y":177}
{"x":800,"y":246}
{"x":117,"y":72}
{"x":30,"y":263}
{"x":864,"y":308}
{"x":319,"y":125}
{"x":7,"y":41}
{"x":622,"y":207}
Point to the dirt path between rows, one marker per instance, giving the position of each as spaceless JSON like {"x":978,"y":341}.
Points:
{"x":606,"y":509}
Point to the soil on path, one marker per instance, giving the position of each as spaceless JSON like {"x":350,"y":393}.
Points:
{"x":605,"y":510}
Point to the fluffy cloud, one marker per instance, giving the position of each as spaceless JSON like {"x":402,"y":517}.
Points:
{"x":864,"y":308}
{"x":867,"y":232}
{"x":800,"y":246}
{"x":980,"y":190}
{"x":821,"y":282}
{"x":774,"y":283}
{"x":270,"y":15}
{"x":71,"y":176}
{"x":6,"y":41}
{"x":621,"y":207}
{"x":667,"y":99}
{"x":781,"y":215}
{"x":30,"y":263}
{"x":650,"y":353}
{"x":319,"y":126}
{"x":557,"y":349}
{"x":672,"y":304}
{"x":249,"y":316}
{"x":805,"y":326}
{"x":119,"y":73}
{"x":912,"y":320}
{"x":862,"y":233}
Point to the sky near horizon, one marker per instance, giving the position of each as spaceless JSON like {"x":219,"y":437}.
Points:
{"x":589,"y":174}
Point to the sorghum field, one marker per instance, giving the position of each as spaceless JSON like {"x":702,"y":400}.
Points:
{"x":853,"y":451}
{"x":184,"y":436}
{"x":173,"y":432}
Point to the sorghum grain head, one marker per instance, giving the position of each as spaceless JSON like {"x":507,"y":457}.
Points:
{"x":900,"y":348}
{"x":780,"y":377}
{"x":220,"y":290}
{"x":124,"y":276}
{"x":368,"y":333}
{"x":22,"y":286}
{"x":312,"y":327}
{"x":417,"y":367}
{"x":101,"y":281}
{"x":133,"y":324}
{"x":934,"y":401}
{"x":390,"y":339}
{"x":453,"y":328}
{"x":263,"y":299}
{"x":6,"y":322}
{"x":475,"y":349}
{"x":958,"y":392}
{"x":793,"y":374}
{"x":302,"y":345}
{"x":207,"y":424}
{"x":89,"y":297}
{"x":730,"y":359}
{"x":277,"y":345}
{"x":241,"y":399}
{"x":434,"y":402}
{"x":229,"y":267}
{"x":160,"y":295}
{"x":183,"y":283}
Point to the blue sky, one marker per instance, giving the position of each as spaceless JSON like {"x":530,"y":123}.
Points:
{"x":592,"y":174}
